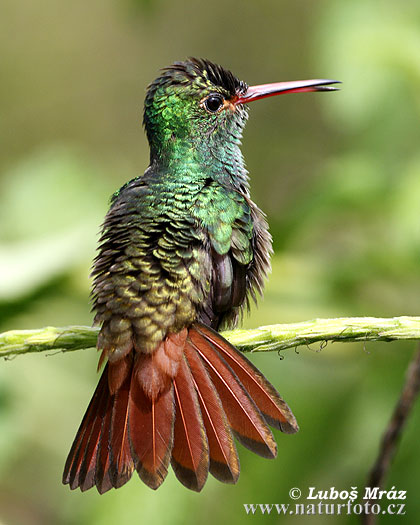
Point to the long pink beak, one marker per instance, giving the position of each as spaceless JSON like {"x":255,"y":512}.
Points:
{"x":278,"y":88}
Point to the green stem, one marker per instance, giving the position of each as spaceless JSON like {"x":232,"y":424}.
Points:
{"x":263,"y":339}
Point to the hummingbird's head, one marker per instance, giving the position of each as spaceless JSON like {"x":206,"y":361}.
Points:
{"x":197,"y":103}
{"x":193,"y":101}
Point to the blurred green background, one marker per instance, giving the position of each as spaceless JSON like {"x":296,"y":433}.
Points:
{"x":338,"y":175}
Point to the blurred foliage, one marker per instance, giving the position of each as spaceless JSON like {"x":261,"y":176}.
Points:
{"x":338,"y":174}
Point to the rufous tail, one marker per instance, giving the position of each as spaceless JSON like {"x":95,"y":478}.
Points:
{"x":182,"y":405}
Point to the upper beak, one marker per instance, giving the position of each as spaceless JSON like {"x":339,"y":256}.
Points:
{"x":278,"y":88}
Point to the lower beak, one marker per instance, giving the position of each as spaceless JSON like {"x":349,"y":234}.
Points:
{"x":279,"y":88}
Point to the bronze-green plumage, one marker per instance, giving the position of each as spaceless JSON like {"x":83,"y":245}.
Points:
{"x":182,"y":252}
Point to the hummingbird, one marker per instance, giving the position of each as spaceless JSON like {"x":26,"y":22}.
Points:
{"x":182,"y":253}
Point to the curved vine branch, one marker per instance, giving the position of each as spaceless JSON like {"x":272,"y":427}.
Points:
{"x":263,"y":339}
{"x":392,"y":434}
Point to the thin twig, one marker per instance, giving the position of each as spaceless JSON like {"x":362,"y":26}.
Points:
{"x":266,"y":338}
{"x":392,"y":435}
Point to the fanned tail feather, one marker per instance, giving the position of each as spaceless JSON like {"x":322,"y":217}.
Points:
{"x":89,"y":461}
{"x":101,"y":475}
{"x":84,"y":450}
{"x":190,"y":458}
{"x":274,"y":409}
{"x":151,"y":422}
{"x":180,"y":405}
{"x":244,"y":417}
{"x":224,"y":462}
{"x":120,"y":461}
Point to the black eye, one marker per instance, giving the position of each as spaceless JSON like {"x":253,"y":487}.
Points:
{"x":213,"y":103}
